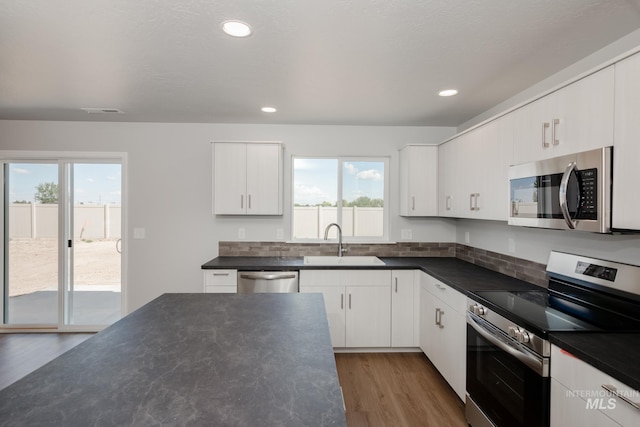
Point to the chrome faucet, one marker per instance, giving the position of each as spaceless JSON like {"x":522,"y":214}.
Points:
{"x":326,"y":236}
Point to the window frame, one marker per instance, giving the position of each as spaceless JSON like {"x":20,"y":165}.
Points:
{"x":386,"y":160}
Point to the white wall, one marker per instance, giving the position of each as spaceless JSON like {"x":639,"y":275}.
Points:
{"x":614,"y":51}
{"x":535,"y":244}
{"x":169,"y":186}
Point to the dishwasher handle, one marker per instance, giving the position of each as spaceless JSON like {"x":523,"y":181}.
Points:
{"x":263,"y":276}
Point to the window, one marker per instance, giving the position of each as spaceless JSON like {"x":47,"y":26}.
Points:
{"x":351,"y":192}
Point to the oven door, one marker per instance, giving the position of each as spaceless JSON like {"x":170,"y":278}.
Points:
{"x":502,"y":383}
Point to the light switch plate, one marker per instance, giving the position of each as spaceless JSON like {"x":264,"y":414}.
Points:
{"x":139,"y":233}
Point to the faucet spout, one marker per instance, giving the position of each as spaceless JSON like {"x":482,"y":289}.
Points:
{"x":326,"y":236}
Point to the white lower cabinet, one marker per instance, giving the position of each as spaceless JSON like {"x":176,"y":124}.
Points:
{"x":358,"y":304}
{"x":221,"y":281}
{"x":579,"y":397}
{"x":443,"y":330}
{"x":404,"y":308}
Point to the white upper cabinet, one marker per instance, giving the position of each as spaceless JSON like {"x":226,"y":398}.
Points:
{"x":419,"y":180}
{"x":578,"y":117}
{"x":474,"y":172}
{"x":626,"y":151}
{"x":247,"y":178}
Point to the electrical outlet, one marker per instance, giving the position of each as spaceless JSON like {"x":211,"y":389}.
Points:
{"x":512,"y":245}
{"x":406,"y":234}
{"x":279,"y":234}
{"x":241,"y":233}
{"x":467,"y":237}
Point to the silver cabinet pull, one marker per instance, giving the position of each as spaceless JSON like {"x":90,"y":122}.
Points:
{"x":396,"y":279}
{"x":613,"y":390}
{"x":242,"y":201}
{"x":471,"y":202}
{"x":413,"y":203}
{"x":349,"y":301}
{"x":554,"y":140}
{"x":220,"y":274}
{"x":545,"y":126}
{"x":448,"y":203}
{"x":274,"y":276}
{"x":341,"y":301}
{"x":249,"y":201}
{"x":475,"y":205}
{"x":440,"y":319}
{"x":437,"y":312}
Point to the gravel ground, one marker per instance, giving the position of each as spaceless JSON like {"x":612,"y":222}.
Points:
{"x":33,"y":265}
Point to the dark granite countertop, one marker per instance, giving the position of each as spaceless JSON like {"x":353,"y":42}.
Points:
{"x":461,"y":275}
{"x":613,"y":353}
{"x":192,"y":359}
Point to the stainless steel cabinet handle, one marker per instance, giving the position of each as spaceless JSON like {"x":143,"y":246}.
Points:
{"x":471,"y":201}
{"x":249,"y":201}
{"x":413,"y":203}
{"x":613,"y":390}
{"x":545,"y":126}
{"x":341,"y":301}
{"x":554,"y":140}
{"x":220,"y":274}
{"x":349,"y":301}
{"x":274,"y":276}
{"x":396,"y":279}
{"x":448,"y":203}
{"x":437,"y":312}
{"x":475,"y":205}
{"x":242,"y":201}
{"x":440,"y":320}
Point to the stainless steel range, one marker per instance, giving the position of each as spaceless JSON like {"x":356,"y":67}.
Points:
{"x":508,"y":351}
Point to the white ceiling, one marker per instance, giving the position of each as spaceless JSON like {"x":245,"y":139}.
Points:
{"x":360,"y":62}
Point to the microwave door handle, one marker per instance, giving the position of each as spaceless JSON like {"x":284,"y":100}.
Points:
{"x":564,"y":183}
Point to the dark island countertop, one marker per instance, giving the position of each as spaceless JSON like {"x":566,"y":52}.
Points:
{"x":192,"y":359}
{"x":615,"y":354}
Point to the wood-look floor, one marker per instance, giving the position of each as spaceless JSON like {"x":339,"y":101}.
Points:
{"x":21,"y":354}
{"x":396,"y":389}
{"x":380,"y":389}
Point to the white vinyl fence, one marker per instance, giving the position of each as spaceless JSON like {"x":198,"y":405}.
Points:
{"x":310,"y":222}
{"x":90,"y":221}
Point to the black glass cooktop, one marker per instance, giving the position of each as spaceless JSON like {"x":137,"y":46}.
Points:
{"x":532,"y":310}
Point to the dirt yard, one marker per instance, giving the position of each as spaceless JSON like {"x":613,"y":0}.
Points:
{"x":33,"y":265}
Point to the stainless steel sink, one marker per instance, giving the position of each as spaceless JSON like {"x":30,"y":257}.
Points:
{"x":345,"y":260}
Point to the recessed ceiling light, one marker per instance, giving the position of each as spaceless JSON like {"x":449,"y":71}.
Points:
{"x":448,"y":92}
{"x":269,"y":109}
{"x":236,"y":28}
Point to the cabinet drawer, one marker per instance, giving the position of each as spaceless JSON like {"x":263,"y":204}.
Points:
{"x":448,"y":295}
{"x":586,"y":382}
{"x":220,"y":277}
{"x":226,"y":289}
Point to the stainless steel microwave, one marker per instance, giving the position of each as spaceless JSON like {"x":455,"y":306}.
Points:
{"x":571,"y":192}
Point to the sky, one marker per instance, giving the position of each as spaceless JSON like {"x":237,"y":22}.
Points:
{"x":94,"y":183}
{"x":316,"y":180}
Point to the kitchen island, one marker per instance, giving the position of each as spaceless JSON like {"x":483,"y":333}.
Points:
{"x":192,"y":359}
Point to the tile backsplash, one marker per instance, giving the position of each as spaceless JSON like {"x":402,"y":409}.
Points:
{"x":528,"y":271}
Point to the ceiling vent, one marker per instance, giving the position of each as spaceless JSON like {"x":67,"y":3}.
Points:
{"x":102,"y":110}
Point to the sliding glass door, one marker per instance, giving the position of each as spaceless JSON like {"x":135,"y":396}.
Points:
{"x":62,"y":244}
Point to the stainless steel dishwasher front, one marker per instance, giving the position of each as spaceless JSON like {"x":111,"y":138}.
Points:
{"x":251,"y":282}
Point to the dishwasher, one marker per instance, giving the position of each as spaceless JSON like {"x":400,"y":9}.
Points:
{"x":251,"y":282}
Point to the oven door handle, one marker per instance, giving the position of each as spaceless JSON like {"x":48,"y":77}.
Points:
{"x":536,"y":364}
{"x":564,"y":183}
